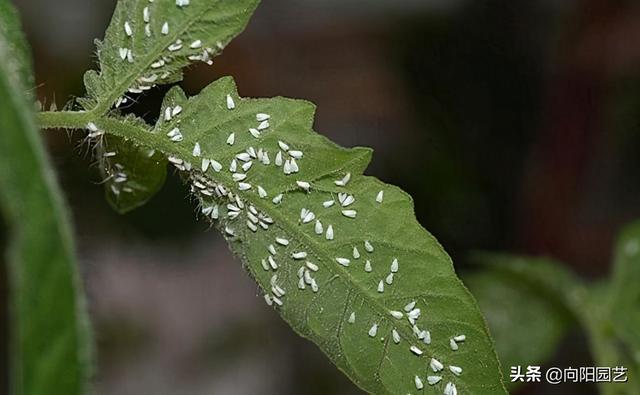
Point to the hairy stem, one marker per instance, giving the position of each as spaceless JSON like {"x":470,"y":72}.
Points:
{"x":65,"y":119}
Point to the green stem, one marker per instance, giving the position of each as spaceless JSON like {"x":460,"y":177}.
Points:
{"x":65,"y":119}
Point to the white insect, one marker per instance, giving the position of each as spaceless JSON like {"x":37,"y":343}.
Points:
{"x":416,"y":350}
{"x":396,"y":336}
{"x":231,"y":139}
{"x":427,"y":337}
{"x":282,"y":241}
{"x":318,"y":228}
{"x":396,"y":314}
{"x":381,"y":286}
{"x":230,"y":103}
{"x":380,"y":197}
{"x":328,"y":203}
{"x":176,"y":110}
{"x":436,"y":365}
{"x":165,"y":28}
{"x":356,"y":253}
{"x":263,"y":125}
{"x":373,"y":331}
{"x":352,"y":318}
{"x":196,"y":150}
{"x":299,"y":255}
{"x":349,"y":213}
{"x":367,"y":267}
{"x":304,"y":185}
{"x":329,"y":233}
{"x":254,"y":132}
{"x":127,"y":29}
{"x":243,"y":156}
{"x":343,"y":261}
{"x":273,"y":263}
{"x":367,"y":246}
{"x":453,"y":345}
{"x":296,"y":154}
{"x":123,"y":53}
{"x":414,"y":314}
{"x":450,"y":389}
{"x":145,"y":14}
{"x":344,"y":181}
{"x":312,"y":266}
{"x":247,"y":166}
{"x":196,"y":44}
{"x":455,"y":370}
{"x":237,"y":177}
{"x":262,"y":117}
{"x":278,"y":160}
{"x":418,"y":383}
{"x":261,"y":192}
{"x":394,"y":266}
{"x":92,"y":127}
{"x":243,"y":186}
{"x":410,"y":306}
{"x":308,"y":217}
{"x":348,"y":201}
{"x":460,"y":338}
{"x":284,"y":146}
{"x":433,"y":380}
{"x":277,"y":199}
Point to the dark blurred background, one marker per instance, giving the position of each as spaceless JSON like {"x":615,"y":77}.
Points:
{"x":514,"y":124}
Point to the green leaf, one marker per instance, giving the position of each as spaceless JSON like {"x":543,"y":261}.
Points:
{"x":614,"y":325}
{"x":550,"y":279}
{"x":508,"y":305}
{"x":15,"y":44}
{"x":137,"y":54}
{"x":625,"y":292}
{"x":131,"y":177}
{"x":50,"y":352}
{"x":383,"y":230}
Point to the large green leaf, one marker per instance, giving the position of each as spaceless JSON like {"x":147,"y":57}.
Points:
{"x":149,"y":42}
{"x":49,"y":336}
{"x":333,"y":289}
{"x":508,"y":303}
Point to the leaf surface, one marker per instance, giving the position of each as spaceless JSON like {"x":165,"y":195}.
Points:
{"x":149,"y":43}
{"x":322,"y":285}
{"x":508,"y":305}
{"x":131,"y":177}
{"x":50,"y":348}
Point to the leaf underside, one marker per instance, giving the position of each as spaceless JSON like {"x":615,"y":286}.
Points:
{"x":336,"y":305}
{"x":49,"y":337}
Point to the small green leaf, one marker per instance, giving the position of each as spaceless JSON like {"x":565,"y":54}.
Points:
{"x":49,"y":332}
{"x":340,"y":288}
{"x":132,"y":174}
{"x":509,"y":305}
{"x":148,"y":43}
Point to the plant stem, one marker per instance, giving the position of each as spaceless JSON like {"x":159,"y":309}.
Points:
{"x":64,"y":119}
